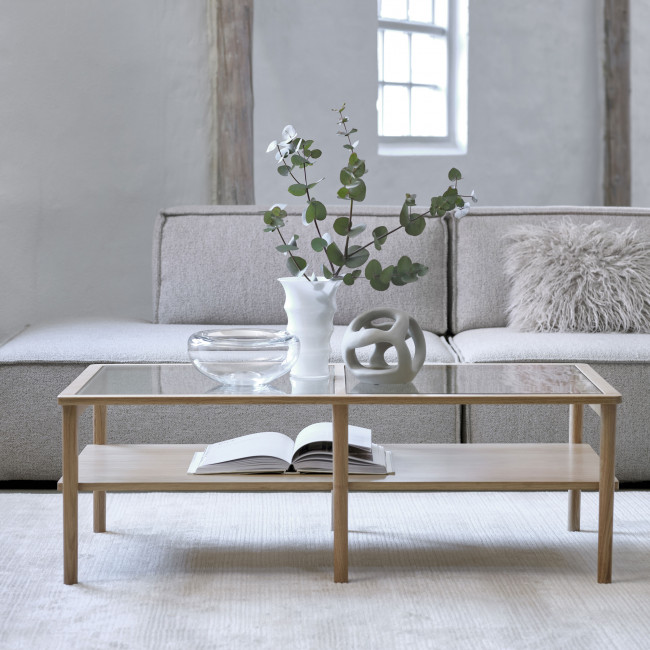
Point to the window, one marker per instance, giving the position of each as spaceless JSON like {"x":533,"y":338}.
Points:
{"x":422,"y":66}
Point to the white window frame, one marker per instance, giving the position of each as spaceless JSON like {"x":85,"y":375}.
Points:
{"x":457,"y":41}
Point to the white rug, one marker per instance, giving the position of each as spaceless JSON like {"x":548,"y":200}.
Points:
{"x":442,"y":570}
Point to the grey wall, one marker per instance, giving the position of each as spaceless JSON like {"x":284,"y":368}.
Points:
{"x":104,"y":120}
{"x":534,"y":99}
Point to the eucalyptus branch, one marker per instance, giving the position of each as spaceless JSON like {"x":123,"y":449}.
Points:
{"x":351,"y":260}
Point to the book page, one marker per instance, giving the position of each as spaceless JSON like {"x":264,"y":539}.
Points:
{"x":322,"y":432}
{"x":265,"y":443}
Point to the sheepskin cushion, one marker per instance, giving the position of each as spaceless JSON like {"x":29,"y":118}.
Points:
{"x":569,"y":277}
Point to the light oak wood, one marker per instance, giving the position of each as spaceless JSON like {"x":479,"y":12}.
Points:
{"x":572,"y":466}
{"x":70,"y":494}
{"x":606,"y":492}
{"x":616,"y":65}
{"x":340,"y":491}
{"x":420,"y":467}
{"x":575,"y":437}
{"x":99,"y":497}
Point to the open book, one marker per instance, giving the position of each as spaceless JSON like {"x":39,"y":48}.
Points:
{"x":270,"y":451}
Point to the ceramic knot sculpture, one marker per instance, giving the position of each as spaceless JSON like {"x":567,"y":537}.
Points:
{"x":362,"y":333}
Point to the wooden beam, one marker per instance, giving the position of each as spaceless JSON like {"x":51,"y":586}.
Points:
{"x":617,"y":182}
{"x":231,"y":31}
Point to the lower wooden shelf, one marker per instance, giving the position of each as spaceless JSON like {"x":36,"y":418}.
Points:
{"x":422,"y":467}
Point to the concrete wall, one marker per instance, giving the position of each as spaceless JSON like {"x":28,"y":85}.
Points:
{"x":104,"y":120}
{"x":535,"y":111}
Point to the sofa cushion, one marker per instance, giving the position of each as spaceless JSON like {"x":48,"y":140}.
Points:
{"x":504,"y":344}
{"x":96,"y":340}
{"x":569,"y":277}
{"x":201,"y":253}
{"x":478,"y":283}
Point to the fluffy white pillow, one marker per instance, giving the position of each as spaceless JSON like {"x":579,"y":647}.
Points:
{"x":569,"y":277}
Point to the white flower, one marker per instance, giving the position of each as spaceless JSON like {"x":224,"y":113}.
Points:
{"x":459,"y":213}
{"x":272,"y":146}
{"x":288,"y":134}
{"x":473,"y":197}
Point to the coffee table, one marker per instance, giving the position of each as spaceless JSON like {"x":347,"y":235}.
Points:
{"x":571,"y":466}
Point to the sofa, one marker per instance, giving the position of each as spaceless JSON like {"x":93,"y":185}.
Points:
{"x":215,"y":266}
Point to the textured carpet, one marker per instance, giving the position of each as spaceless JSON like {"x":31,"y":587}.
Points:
{"x":254,"y":571}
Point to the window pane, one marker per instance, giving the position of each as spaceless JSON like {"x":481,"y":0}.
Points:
{"x":421,"y":11}
{"x":396,"y":110}
{"x":396,"y":56}
{"x":380,"y":54}
{"x":429,"y":59}
{"x":380,"y":110}
{"x":441,"y":13}
{"x":395,"y":9}
{"x":428,"y":112}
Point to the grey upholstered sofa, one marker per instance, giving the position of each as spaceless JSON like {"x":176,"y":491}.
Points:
{"x":214,"y":265}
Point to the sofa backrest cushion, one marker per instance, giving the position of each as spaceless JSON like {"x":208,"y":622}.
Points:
{"x":478,"y":285}
{"x":216,"y":265}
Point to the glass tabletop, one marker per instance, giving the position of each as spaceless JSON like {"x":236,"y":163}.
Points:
{"x":436,"y":379}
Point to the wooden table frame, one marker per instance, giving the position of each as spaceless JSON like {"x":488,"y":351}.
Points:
{"x":604,"y":404}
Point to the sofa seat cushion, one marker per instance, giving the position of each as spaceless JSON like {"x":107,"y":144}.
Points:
{"x":95,"y":340}
{"x":503,"y":344}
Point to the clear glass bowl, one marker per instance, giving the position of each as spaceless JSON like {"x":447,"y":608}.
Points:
{"x":243,"y":357}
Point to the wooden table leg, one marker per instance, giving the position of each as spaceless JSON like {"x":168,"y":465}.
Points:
{"x":575,"y":437}
{"x":606,"y":491}
{"x":70,"y":494}
{"x":340,"y":491}
{"x":99,"y":497}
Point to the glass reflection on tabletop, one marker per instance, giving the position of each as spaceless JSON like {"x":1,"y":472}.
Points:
{"x":485,"y":379}
{"x":185,"y":379}
{"x":383,"y":389}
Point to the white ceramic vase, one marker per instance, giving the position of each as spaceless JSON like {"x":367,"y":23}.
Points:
{"x":310,"y":308}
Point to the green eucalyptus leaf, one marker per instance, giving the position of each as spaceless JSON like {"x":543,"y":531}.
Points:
{"x":315,"y":210}
{"x":318,"y":244}
{"x":298,"y":160}
{"x":298,"y":189}
{"x":346,"y":176}
{"x":358,"y":190}
{"x":416,"y":225}
{"x":404,"y":215}
{"x":357,"y":256}
{"x":316,"y":153}
{"x":296,"y":264}
{"x":357,"y":230}
{"x":327,"y":274}
{"x":379,"y":236}
{"x":283,"y":170}
{"x":314,"y":183}
{"x":343,"y":193}
{"x":404,"y":264}
{"x":360,"y":169}
{"x":341,"y":226}
{"x":386,"y":275}
{"x":348,"y":279}
{"x":334,"y":254}
{"x":454,"y":175}
{"x":320,"y":211}
{"x":373,"y":269}
{"x":354,"y":158}
{"x":285,"y":248}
